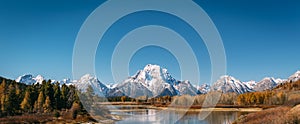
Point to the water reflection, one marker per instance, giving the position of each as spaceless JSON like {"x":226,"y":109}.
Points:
{"x":142,"y":114}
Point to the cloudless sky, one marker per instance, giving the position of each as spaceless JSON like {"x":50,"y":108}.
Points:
{"x":261,"y":38}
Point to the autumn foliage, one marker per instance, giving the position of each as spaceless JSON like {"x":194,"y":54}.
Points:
{"x":17,"y":98}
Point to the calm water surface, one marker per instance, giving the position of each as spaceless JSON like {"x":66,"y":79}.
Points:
{"x":143,"y":114}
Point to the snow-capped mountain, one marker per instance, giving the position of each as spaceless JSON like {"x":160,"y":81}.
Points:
{"x":185,"y":87}
{"x":267,"y":83}
{"x":203,"y":89}
{"x":294,"y":77}
{"x":230,"y":84}
{"x":111,"y":85}
{"x":251,"y":84}
{"x":131,"y":89}
{"x":66,"y":81}
{"x":30,"y":79}
{"x":86,"y":80}
{"x":153,"y":81}
{"x":153,"y":73}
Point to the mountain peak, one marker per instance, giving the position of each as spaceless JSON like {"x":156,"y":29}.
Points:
{"x":87,"y":76}
{"x":153,"y":81}
{"x":23,"y":76}
{"x":30,"y":79}
{"x":268,"y":78}
{"x":228,"y":78}
{"x":230,"y":84}
{"x":267,"y":83}
{"x":151,"y":67}
{"x":90,"y":80}
{"x":295,"y":77}
{"x":152,"y":72}
{"x":39,"y":78}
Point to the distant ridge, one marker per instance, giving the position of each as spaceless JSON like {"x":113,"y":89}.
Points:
{"x":155,"y":81}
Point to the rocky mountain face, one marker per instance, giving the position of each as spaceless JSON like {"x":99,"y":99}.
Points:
{"x":30,"y":79}
{"x":155,"y":81}
{"x":230,"y":84}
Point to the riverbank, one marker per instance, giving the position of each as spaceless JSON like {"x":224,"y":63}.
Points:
{"x":278,"y":115}
{"x":220,"y":108}
{"x":196,"y":108}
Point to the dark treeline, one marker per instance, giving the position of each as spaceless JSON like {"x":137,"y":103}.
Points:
{"x":18,"y":98}
{"x":142,"y":99}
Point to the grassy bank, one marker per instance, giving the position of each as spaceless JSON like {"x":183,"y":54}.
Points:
{"x":278,"y":115}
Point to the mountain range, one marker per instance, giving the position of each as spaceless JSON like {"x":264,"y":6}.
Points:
{"x":155,"y":81}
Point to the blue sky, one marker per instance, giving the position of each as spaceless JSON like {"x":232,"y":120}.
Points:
{"x":261,"y":38}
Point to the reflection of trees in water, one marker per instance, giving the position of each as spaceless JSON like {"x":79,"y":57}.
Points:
{"x":155,"y":116}
{"x":213,"y":118}
{"x":222,"y":117}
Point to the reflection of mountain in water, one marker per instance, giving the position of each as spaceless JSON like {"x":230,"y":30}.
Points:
{"x":140,"y":114}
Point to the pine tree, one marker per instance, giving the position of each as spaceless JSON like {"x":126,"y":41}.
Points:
{"x":47,"y":105}
{"x":3,"y":98}
{"x":25,"y":105}
{"x":2,"y":94}
{"x":64,"y":95}
{"x":11,"y":103}
{"x":71,"y":97}
{"x":48,"y":90}
{"x":57,"y":97}
{"x":39,"y":103}
{"x":3,"y":87}
{"x":18,"y":91}
{"x":123,"y":98}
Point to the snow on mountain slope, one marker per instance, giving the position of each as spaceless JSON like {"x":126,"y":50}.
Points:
{"x":264,"y":84}
{"x":267,"y":83}
{"x":111,"y":86}
{"x":294,"y":77}
{"x":230,"y":84}
{"x":153,"y":81}
{"x":131,"y":89}
{"x":251,"y":84}
{"x":203,"y":89}
{"x":29,"y":79}
{"x":185,"y":87}
{"x":86,"y":80}
{"x":67,"y":81}
{"x":150,"y":72}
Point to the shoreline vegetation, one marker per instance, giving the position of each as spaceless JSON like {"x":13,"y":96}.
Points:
{"x":55,"y":103}
{"x":221,"y":108}
{"x":277,"y":115}
{"x":193,"y":108}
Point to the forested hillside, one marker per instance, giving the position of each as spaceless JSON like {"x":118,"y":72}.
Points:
{"x":51,"y":100}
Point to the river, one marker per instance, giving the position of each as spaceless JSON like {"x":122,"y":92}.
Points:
{"x":144,"y":114}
